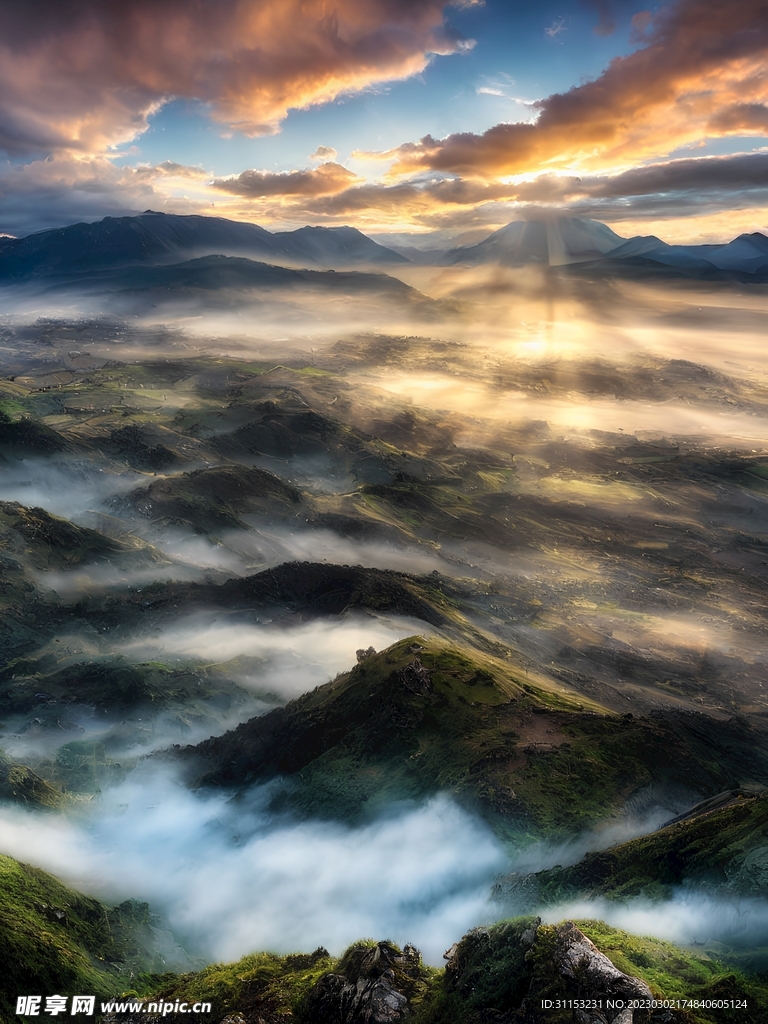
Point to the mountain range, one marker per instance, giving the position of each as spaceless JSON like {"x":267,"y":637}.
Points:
{"x":157,"y":238}
{"x":555,"y":241}
{"x":163,"y":240}
{"x":563,"y":241}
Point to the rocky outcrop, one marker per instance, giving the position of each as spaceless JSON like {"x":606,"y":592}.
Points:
{"x":416,"y":678}
{"x":374,"y":988}
{"x":367,"y":1001}
{"x":566,"y":965}
{"x":592,"y":975}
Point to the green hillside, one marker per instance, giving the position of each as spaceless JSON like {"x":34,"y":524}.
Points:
{"x":56,"y":940}
{"x":426,"y":716}
{"x":723,"y":849}
{"x":494,"y":975}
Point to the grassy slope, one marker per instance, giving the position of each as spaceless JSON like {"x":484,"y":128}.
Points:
{"x":263,"y":982}
{"x":40,"y":540}
{"x":308,"y":587}
{"x":19,"y":784}
{"x":109,"y":684}
{"x":727,"y":847}
{"x":427,"y":716}
{"x":24,"y":435}
{"x":491,"y":973}
{"x":56,"y":940}
{"x":215,"y":498}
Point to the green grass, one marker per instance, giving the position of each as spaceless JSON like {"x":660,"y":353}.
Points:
{"x":675,"y":973}
{"x":488,"y":970}
{"x":264,"y":981}
{"x":54,"y":940}
{"x":265,"y":984}
{"x":533,"y":761}
{"x":726,"y":848}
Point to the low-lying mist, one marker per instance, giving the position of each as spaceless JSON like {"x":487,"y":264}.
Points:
{"x":526,"y":313}
{"x":241,"y":552}
{"x":283,"y":659}
{"x":587,"y":455}
{"x":692,"y":917}
{"x":249,"y":667}
{"x":224,"y":316}
{"x":707,"y":422}
{"x":128,"y":735}
{"x":66,"y":487}
{"x":190,"y":557}
{"x":230,"y":879}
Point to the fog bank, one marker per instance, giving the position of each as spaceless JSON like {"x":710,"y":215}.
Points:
{"x":230,"y":880}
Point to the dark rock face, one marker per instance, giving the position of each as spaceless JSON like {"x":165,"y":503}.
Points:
{"x":415,"y":678}
{"x":501,"y":974}
{"x":370,"y":989}
{"x":367,"y":1001}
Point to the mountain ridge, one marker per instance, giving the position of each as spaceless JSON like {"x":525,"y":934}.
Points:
{"x":157,"y":241}
{"x":425,"y":716}
{"x":158,"y":238}
{"x":558,"y":241}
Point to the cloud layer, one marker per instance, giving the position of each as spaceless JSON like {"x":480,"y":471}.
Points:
{"x":79,"y":76}
{"x":86,"y":74}
{"x":421,"y":875}
{"x":700,"y":70}
{"x":327,"y":179}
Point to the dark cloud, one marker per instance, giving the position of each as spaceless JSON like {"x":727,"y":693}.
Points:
{"x":731,"y":175}
{"x":58,"y":191}
{"x":742,"y":117}
{"x":684,"y":187}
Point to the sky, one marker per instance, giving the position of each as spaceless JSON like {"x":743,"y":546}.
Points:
{"x":411,"y":119}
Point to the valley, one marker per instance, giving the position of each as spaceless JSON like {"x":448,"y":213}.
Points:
{"x":439,"y":611}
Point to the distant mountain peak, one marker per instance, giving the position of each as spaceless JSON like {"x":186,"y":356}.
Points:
{"x":553,"y":239}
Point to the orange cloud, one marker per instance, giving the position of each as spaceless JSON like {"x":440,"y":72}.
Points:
{"x":702,"y":70}
{"x":327,"y":179}
{"x":680,"y":188}
{"x":369,"y":206}
{"x":86,"y":74}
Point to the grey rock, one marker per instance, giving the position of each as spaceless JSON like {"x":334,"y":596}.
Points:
{"x":368,"y":992}
{"x":592,"y":974}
